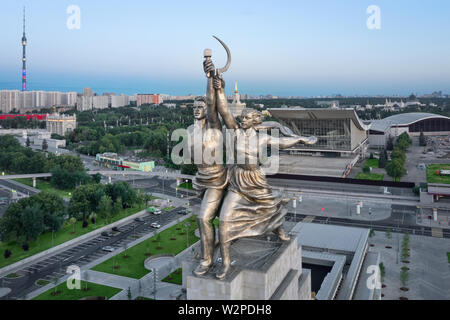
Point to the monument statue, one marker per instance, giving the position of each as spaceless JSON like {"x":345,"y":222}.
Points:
{"x":211,"y":179}
{"x":248,"y":207}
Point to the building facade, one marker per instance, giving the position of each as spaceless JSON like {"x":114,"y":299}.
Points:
{"x":115,"y":162}
{"x":412,"y":123}
{"x":60,"y":124}
{"x":149,"y":99}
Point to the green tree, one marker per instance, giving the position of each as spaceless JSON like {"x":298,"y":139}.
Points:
{"x":382,"y":160}
{"x":395,"y":169}
{"x":44,"y":145}
{"x":28,"y":142}
{"x":32,"y":222}
{"x":390,"y":143}
{"x":422,"y":140}
{"x":105,"y":206}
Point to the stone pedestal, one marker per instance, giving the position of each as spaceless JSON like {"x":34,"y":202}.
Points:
{"x":261,"y":269}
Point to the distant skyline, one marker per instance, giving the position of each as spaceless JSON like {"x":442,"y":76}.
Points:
{"x":284,"y":48}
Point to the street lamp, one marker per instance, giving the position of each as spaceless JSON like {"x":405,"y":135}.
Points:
{"x":187,"y":225}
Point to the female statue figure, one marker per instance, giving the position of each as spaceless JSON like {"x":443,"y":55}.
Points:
{"x":249,"y":208}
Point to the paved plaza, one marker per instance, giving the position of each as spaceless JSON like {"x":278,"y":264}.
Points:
{"x":429,"y":269}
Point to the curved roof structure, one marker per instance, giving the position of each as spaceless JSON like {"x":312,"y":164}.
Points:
{"x":319,"y":114}
{"x":402,"y":119}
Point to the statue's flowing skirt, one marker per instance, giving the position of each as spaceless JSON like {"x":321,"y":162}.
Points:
{"x":250,"y":208}
{"x":214,"y":176}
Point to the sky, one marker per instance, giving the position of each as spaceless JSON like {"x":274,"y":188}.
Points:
{"x":285,"y":48}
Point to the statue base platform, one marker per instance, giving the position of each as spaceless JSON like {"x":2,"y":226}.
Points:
{"x":263,"y":268}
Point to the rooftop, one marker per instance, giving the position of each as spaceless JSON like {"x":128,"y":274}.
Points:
{"x":402,"y":119}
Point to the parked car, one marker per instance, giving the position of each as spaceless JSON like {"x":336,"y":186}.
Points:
{"x":139,"y":219}
{"x":115,"y":229}
{"x":106,"y":234}
{"x":108,"y":248}
{"x":157,"y":212}
{"x":183,"y":212}
{"x":155,"y":225}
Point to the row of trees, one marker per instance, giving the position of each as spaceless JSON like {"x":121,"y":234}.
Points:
{"x":30,"y":217}
{"x":104,"y":200}
{"x":396,"y":167}
{"x":27,"y":219}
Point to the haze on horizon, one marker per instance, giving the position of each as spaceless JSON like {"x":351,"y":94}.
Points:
{"x":299,"y":48}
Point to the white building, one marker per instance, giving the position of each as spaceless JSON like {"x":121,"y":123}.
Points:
{"x":119,"y":101}
{"x":100,"y":102}
{"x":236,"y":106}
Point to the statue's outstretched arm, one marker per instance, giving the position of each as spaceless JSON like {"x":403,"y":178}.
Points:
{"x":287,"y":142}
{"x":212,"y":115}
{"x":222,"y":104}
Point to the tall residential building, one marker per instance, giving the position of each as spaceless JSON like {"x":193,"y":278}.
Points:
{"x":100,"y":102}
{"x":119,"y":101}
{"x":148,"y":99}
{"x":236,"y":106}
{"x":24,"y":59}
{"x":87,"y":92}
{"x":9,"y":100}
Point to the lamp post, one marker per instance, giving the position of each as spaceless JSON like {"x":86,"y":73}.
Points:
{"x":187,"y":225}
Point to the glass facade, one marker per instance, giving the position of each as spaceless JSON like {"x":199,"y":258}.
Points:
{"x":332,"y":134}
{"x":430,"y":125}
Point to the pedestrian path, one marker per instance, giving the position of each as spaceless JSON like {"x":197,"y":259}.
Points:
{"x":110,"y":280}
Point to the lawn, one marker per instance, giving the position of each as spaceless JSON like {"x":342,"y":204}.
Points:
{"x":432,"y":177}
{"x":64,"y":234}
{"x":45,"y":186}
{"x":172,"y":241}
{"x":448,"y":257}
{"x":371,"y":163}
{"x":42,"y":282}
{"x":370,"y":176}
{"x":168,"y":208}
{"x":186,"y":185}
{"x":175,"y":277}
{"x":94,"y":289}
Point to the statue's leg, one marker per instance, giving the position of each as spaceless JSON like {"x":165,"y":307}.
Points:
{"x":208,"y":211}
{"x":281,"y":234}
{"x":226,"y":214}
{"x":226,"y":260}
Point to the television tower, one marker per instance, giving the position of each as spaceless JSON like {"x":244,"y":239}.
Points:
{"x":24,"y":59}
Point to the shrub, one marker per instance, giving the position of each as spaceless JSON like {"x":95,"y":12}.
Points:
{"x":25,"y":247}
{"x":366,"y":169}
{"x":371,"y":156}
{"x":85,"y":224}
{"x":7,"y":253}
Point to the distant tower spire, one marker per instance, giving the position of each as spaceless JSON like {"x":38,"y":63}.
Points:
{"x":24,"y":59}
{"x":235,"y":87}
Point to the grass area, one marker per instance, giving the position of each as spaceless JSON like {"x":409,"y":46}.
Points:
{"x":45,"y":186}
{"x":143,"y":298}
{"x":64,"y":234}
{"x":371,"y":163}
{"x":168,"y":208}
{"x":370,"y":176}
{"x":42,"y":282}
{"x":175,"y":277}
{"x":13,"y":275}
{"x":154,"y":198}
{"x":94,"y":289}
{"x":432,"y":177}
{"x":133,"y":265}
{"x":186,"y":185}
{"x":448,"y":256}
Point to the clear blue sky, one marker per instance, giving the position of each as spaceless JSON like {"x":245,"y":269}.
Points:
{"x":278,"y":47}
